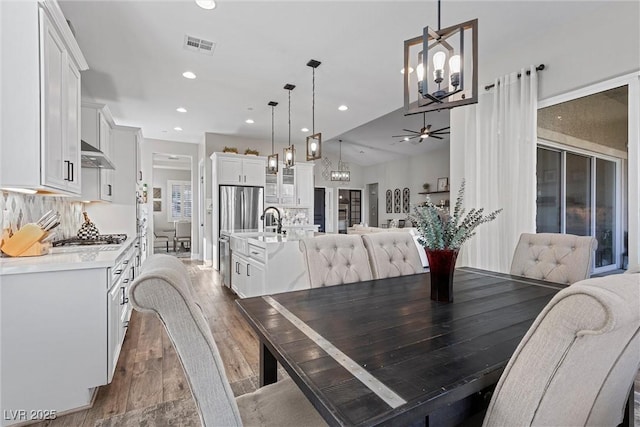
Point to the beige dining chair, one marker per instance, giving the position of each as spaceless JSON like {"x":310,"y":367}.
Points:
{"x":559,"y":258}
{"x":182,"y":238}
{"x":576,"y":364}
{"x":392,"y":254}
{"x":161,"y":240}
{"x":335,"y":259}
{"x":164,"y":289}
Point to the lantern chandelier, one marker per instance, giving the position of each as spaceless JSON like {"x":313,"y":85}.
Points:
{"x":272,"y":160}
{"x":442,"y":84}
{"x":342,"y":174}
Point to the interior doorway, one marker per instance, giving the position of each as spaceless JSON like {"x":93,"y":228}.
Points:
{"x":349,"y":209}
{"x":319,"y":209}
{"x":372,"y":191}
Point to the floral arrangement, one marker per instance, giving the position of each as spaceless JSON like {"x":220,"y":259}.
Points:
{"x":251,"y":151}
{"x":438,"y":229}
{"x":230,"y":150}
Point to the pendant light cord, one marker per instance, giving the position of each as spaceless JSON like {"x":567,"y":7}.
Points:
{"x":289,"y":118}
{"x":313,"y":102}
{"x":273,"y":108}
{"x":439,"y":15}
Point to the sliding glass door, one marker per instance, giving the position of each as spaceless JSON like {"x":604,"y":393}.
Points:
{"x":578,"y":194}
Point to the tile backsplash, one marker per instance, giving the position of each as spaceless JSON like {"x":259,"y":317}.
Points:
{"x":19,"y":209}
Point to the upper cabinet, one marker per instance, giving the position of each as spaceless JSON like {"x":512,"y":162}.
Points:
{"x":291,"y":187}
{"x":236,"y":169}
{"x":40,"y":105}
{"x":304,"y":184}
{"x":97,"y":183}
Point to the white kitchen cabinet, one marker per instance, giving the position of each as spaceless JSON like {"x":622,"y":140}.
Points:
{"x":40,"y":103}
{"x":304,"y":185}
{"x":235,"y":169}
{"x":64,"y":328}
{"x":98,"y":183}
{"x":280,"y":189}
{"x":239,"y":275}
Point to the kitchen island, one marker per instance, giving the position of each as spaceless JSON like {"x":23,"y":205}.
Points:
{"x":267,"y":263}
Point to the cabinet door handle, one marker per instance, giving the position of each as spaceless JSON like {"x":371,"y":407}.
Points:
{"x":109,"y":186}
{"x":125,"y":281}
{"x":68,"y":163}
{"x":248,"y":274}
{"x":245,"y":178}
{"x":72,"y":172}
{"x":118,"y":271}
{"x":124,"y":296}
{"x":125,"y":262}
{"x":239,"y":178}
{"x":140,"y":172}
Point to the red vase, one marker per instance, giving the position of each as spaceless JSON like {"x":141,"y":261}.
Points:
{"x":442,"y":264}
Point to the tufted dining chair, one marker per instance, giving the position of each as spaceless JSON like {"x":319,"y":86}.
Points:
{"x":576,"y":364}
{"x":164,"y":289}
{"x":559,"y":258}
{"x":392,"y":254}
{"x":334,"y":259}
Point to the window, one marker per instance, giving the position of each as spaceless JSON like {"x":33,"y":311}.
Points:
{"x":578,"y":194}
{"x":180,"y":193}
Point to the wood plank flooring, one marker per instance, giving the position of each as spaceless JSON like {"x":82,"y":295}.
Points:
{"x":148,"y":370}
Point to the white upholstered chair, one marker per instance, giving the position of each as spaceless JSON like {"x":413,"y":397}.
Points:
{"x":334,"y":259}
{"x":392,"y":254}
{"x":559,"y":258}
{"x":164,"y":288}
{"x":182,"y":239}
{"x":576,"y":364}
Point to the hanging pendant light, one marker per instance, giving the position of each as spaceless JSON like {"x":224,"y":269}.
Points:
{"x":343,"y":173}
{"x":314,"y":141}
{"x":440,"y":87}
{"x":289,"y":152}
{"x":272,"y":160}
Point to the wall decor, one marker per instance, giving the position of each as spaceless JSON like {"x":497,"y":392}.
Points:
{"x":389,"y":202}
{"x":157,"y":192}
{"x":396,"y":201}
{"x":157,"y":205}
{"x":443,"y":184}
{"x":405,"y":200}
{"x":326,"y":168}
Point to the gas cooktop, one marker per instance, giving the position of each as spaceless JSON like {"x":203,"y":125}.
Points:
{"x":102,"y":239}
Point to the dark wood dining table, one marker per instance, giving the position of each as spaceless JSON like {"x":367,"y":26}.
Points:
{"x":381,"y":352}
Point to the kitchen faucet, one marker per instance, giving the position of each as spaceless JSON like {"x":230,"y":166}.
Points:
{"x":278,"y":220}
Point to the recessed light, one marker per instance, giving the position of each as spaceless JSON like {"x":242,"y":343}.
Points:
{"x":410,"y":70}
{"x":181,"y":110}
{"x":206,"y":4}
{"x":304,"y":130}
{"x":178,"y":128}
{"x":250,"y":121}
{"x":343,"y":108}
{"x":189,"y":75}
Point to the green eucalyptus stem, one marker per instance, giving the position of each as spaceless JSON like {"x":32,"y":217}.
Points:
{"x":439,"y":229}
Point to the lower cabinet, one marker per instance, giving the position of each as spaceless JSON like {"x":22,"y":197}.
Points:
{"x":61,"y":332}
{"x":248,"y":276}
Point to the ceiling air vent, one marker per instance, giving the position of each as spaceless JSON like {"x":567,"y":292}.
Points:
{"x":199,"y":45}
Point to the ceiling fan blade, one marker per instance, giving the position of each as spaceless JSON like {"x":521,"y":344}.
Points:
{"x":409,"y":130}
{"x":435,"y":136}
{"x":400,"y":136}
{"x":440,"y":130}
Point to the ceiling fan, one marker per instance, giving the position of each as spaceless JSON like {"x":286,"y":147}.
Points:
{"x":424,"y":133}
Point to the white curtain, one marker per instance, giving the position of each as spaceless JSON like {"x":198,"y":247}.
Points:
{"x":500,"y":167}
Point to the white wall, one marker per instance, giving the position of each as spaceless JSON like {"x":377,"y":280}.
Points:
{"x":583,"y":52}
{"x":411,"y":172}
{"x":151,"y":146}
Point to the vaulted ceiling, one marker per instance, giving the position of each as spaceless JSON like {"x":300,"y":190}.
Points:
{"x":136,"y":54}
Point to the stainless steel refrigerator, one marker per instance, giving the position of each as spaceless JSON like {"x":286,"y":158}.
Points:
{"x":240,"y":209}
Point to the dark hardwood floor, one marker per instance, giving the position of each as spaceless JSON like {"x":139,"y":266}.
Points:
{"x":148,"y":370}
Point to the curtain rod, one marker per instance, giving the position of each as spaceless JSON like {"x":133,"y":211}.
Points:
{"x":538,"y":68}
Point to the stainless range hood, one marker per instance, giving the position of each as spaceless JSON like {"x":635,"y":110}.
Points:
{"x":94,"y":158}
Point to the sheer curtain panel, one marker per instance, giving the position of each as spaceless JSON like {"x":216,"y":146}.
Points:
{"x":499,"y":167}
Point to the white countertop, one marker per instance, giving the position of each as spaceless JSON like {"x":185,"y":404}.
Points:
{"x":262,"y":239}
{"x":66,"y":258}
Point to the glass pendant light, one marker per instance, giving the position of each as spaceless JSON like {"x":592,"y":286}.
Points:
{"x":314,"y":141}
{"x":289,"y":152}
{"x":272,"y":160}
